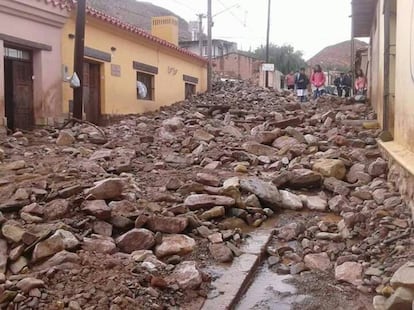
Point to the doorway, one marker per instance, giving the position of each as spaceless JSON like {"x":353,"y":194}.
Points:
{"x":18,"y":88}
{"x":92,"y":91}
{"x":189,"y":90}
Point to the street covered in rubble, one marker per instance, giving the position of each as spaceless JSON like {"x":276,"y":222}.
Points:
{"x":244,"y":184}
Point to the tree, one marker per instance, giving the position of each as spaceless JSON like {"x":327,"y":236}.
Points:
{"x":284,"y":57}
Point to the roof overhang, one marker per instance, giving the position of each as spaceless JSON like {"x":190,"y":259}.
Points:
{"x":363,"y":12}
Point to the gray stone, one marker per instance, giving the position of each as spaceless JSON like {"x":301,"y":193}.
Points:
{"x":378,"y":167}
{"x":404,"y":276}
{"x":187,"y":276}
{"x":290,"y":201}
{"x":102,"y":228}
{"x":221,"y":253}
{"x":402,"y":299}
{"x":315,"y":203}
{"x":12,"y":231}
{"x":267,"y":193}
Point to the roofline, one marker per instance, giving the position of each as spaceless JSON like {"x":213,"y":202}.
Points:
{"x":239,"y":53}
{"x":140,"y":32}
{"x":70,"y":4}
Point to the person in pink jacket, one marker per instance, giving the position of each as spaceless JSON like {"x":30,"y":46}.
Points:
{"x":360,"y":83}
{"x":318,"y":81}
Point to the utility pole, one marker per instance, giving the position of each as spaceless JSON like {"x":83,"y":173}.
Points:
{"x":209,"y":46}
{"x":200,"y":33}
{"x":78,"y":59}
{"x":267,"y":43}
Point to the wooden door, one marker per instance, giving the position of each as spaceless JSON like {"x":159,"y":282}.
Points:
{"x":22,"y":95}
{"x":91,"y":92}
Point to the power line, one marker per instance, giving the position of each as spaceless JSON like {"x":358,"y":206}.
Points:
{"x":243,"y":23}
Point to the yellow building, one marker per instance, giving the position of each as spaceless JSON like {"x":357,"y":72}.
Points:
{"x":120,"y":56}
{"x":390,"y":26}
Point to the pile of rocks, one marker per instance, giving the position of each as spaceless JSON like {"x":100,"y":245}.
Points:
{"x":164,"y":194}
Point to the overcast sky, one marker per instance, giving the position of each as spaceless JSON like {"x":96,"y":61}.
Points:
{"x":308,"y":25}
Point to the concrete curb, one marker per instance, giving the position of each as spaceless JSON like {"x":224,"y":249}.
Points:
{"x":236,"y":279}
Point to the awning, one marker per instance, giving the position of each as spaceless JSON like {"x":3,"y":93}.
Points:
{"x":363,"y":12}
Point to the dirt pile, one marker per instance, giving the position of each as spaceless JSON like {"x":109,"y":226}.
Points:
{"x":128,"y":221}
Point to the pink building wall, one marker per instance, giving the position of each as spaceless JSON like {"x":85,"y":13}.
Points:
{"x":37,"y":22}
{"x":235,"y":65}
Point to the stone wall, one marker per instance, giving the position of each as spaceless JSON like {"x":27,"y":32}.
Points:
{"x":402,"y":180}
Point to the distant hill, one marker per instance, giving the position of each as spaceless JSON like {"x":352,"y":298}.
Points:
{"x":138,"y":13}
{"x":336,"y":56}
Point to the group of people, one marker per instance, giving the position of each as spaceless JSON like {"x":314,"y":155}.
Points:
{"x":299,"y":81}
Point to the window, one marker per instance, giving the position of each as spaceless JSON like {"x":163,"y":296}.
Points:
{"x":17,"y":54}
{"x":148,"y":81}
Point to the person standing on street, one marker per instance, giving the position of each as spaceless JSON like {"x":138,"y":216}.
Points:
{"x":338,"y":82}
{"x":347,"y":84}
{"x":318,"y":81}
{"x":290,"y":81}
{"x":302,"y":83}
{"x":360,"y":83}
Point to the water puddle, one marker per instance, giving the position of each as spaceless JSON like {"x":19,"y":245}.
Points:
{"x":269,"y":291}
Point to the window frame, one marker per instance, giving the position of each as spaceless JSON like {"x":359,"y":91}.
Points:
{"x":150,"y":88}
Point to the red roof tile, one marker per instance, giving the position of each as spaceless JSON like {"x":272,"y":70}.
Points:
{"x":140,"y":32}
{"x":63,"y":4}
{"x":69,"y":4}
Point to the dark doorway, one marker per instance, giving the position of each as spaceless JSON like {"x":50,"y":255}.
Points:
{"x":190,"y":90}
{"x":18,"y":88}
{"x":92,"y":92}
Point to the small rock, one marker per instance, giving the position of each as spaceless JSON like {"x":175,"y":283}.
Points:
{"x":12,"y":231}
{"x":27,"y":284}
{"x":378,"y":167}
{"x":187,"y":276}
{"x":175,"y":244}
{"x":135,"y":239}
{"x":102,"y":228}
{"x":97,"y":208}
{"x":319,"y":261}
{"x":199,"y":201}
{"x":330,"y":168}
{"x":60,"y":240}
{"x":65,"y":139}
{"x":99,"y":244}
{"x":221,"y":253}
{"x":202,"y":135}
{"x":315,"y":203}
{"x":290,"y":201}
{"x":213,"y":213}
{"x":350,"y":272}
{"x":106,"y":189}
{"x":56,"y":209}
{"x":267,"y":193}
{"x":167,"y":224}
